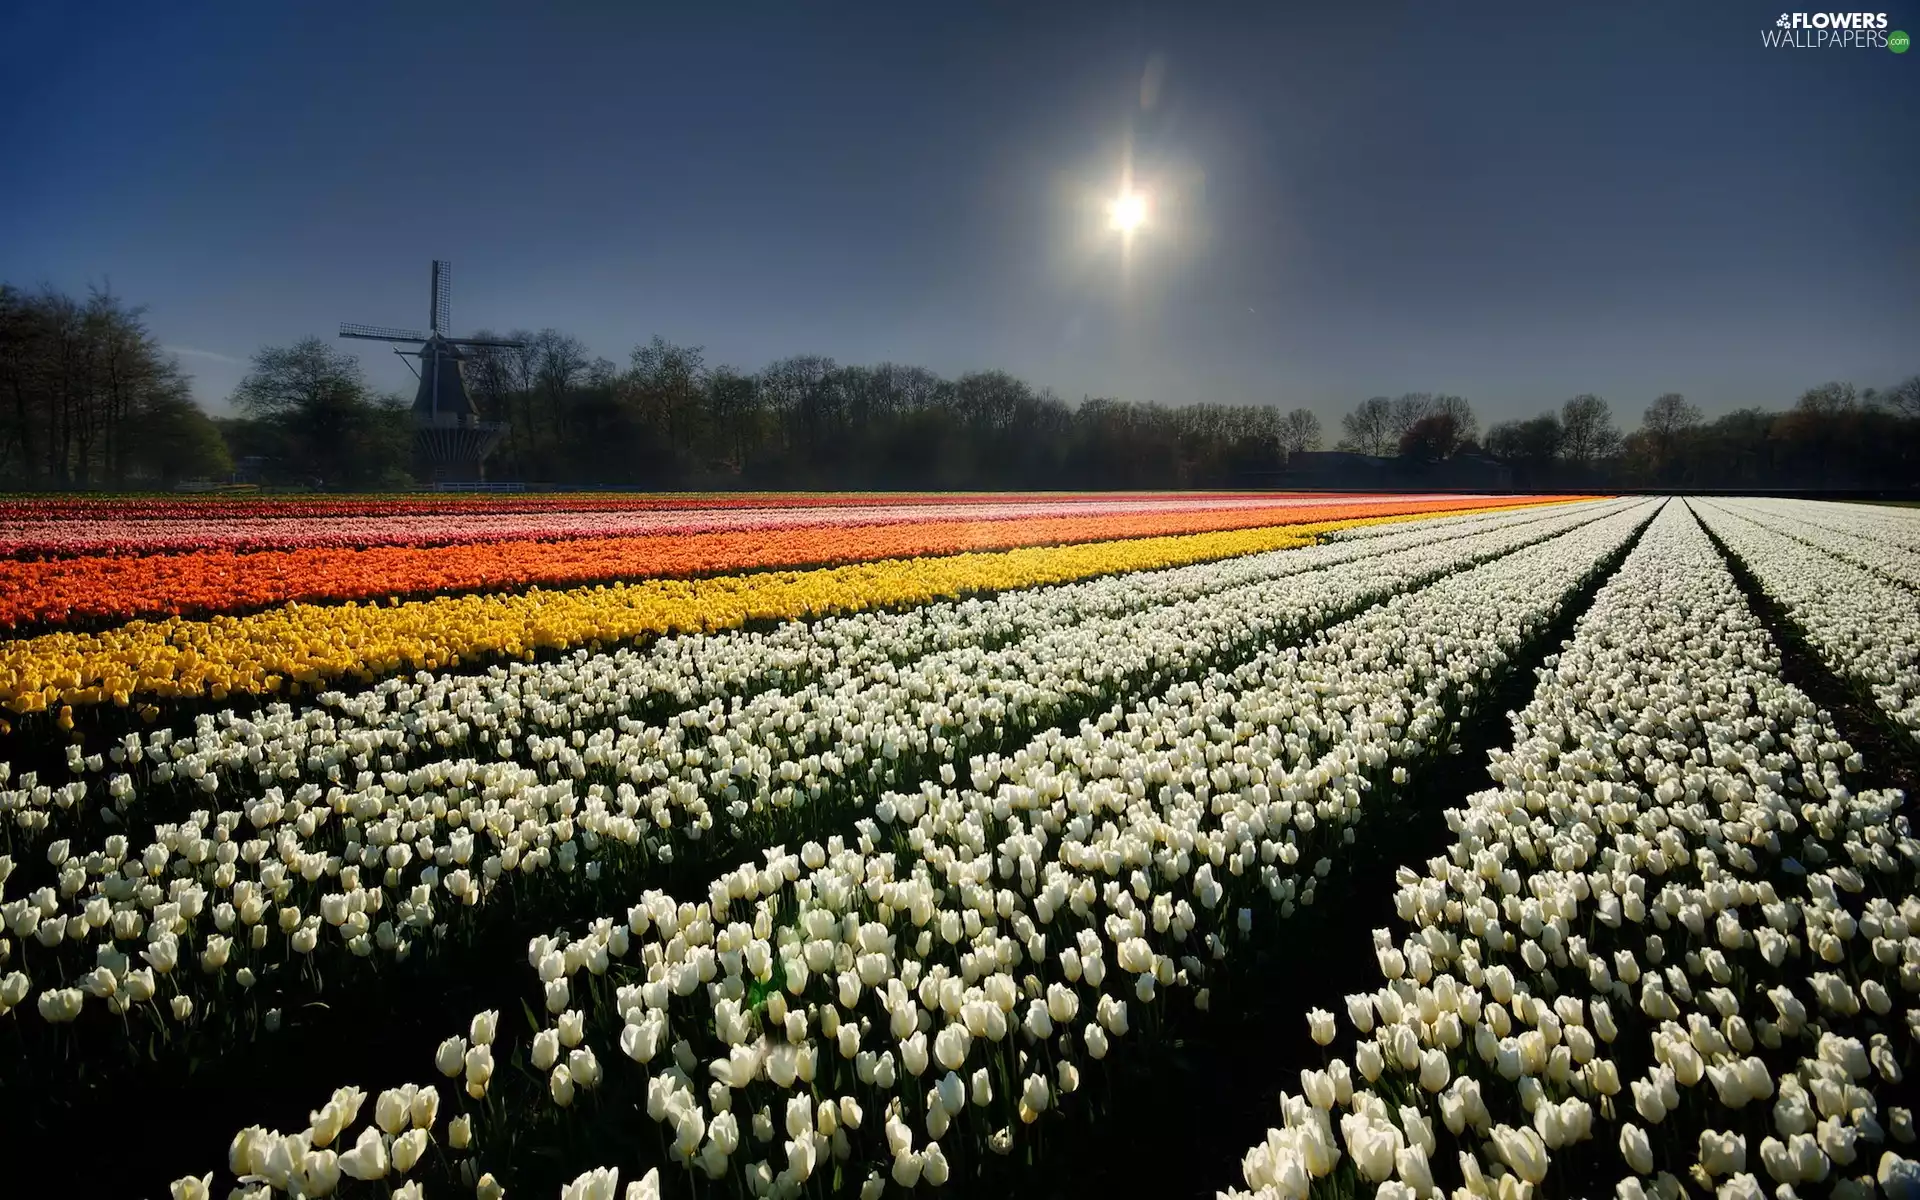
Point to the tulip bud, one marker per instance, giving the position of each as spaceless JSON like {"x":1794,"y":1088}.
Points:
{"x":451,"y":1057}
{"x":546,"y":1049}
{"x":1320,"y":1026}
{"x":1636,"y":1149}
{"x":407,"y":1149}
{"x":1369,"y":1061}
{"x":479,"y":1070}
{"x":481,"y":1031}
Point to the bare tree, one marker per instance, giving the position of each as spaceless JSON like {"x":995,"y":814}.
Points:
{"x":560,"y":361}
{"x":1903,"y":398}
{"x":66,"y":380}
{"x":1369,"y":429}
{"x":1587,"y":432}
{"x":1409,"y":410}
{"x":1671,"y":415}
{"x":734,"y":405}
{"x":1662,"y":425}
{"x":668,"y":383}
{"x":1466,"y":425}
{"x":1300,"y":431}
{"x":916,"y":388}
{"x":791,"y":390}
{"x":1828,"y":400}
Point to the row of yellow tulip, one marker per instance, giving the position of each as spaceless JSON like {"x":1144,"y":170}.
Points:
{"x":297,"y":645}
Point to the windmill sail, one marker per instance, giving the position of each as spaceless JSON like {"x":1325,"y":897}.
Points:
{"x":442,"y":319}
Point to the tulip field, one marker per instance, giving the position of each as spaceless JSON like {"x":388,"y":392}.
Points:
{"x":610,"y":846}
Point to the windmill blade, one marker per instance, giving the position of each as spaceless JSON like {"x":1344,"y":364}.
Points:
{"x":380,"y":333}
{"x":442,"y":295}
{"x":503,"y":343}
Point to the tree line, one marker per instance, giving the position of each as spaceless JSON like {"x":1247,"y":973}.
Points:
{"x":1835,"y":436}
{"x":88,"y":399}
{"x":668,"y":420}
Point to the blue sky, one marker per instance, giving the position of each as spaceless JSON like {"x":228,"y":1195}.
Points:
{"x":1511,"y":202}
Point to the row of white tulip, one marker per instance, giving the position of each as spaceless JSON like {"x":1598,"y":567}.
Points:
{"x":1885,"y":523}
{"x":1854,"y":534}
{"x":1865,"y":627}
{"x":1386,"y":533}
{"x":890,"y":1007}
{"x":1672,"y":953}
{"x":252,"y":890}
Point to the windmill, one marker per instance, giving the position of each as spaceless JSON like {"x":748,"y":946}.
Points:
{"x":450,"y":441}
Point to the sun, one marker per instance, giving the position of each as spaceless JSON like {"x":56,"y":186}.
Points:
{"x":1127,"y":211}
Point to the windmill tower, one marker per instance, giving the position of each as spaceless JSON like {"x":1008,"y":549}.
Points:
{"x":450,"y":441}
